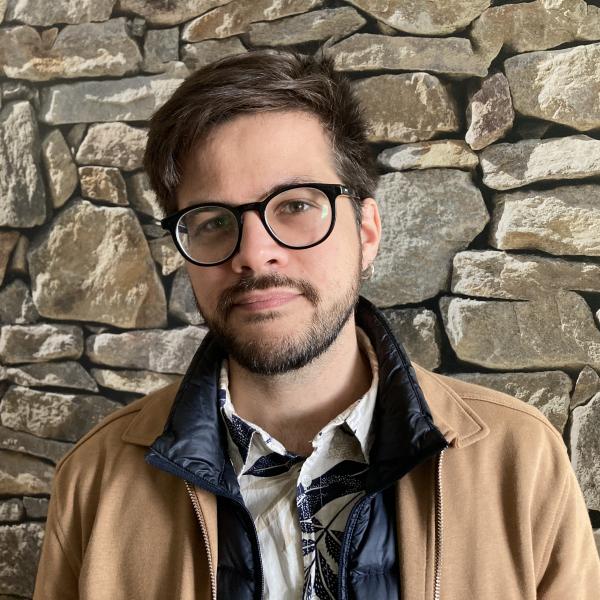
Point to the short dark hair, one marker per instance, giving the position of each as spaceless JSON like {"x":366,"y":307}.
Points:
{"x":261,"y":80}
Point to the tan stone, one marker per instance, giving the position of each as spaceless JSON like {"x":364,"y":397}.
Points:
{"x":22,"y":474}
{"x":67,"y":374}
{"x":103,"y":183}
{"x":166,"y":255}
{"x":19,"y":441}
{"x":138,"y":382}
{"x":167,"y":13}
{"x":203,"y":53}
{"x":453,"y":154}
{"x":94,"y":264}
{"x":182,"y":303}
{"x":60,"y":168}
{"x":236,"y":16}
{"x":586,"y":387}
{"x":407,"y":108}
{"x":142,"y":196}
{"x":563,"y":220}
{"x":507,"y":166}
{"x":18,"y":261}
{"x":11,"y":510}
{"x":16,"y":304}
{"x":41,"y":12}
{"x":8,"y":240}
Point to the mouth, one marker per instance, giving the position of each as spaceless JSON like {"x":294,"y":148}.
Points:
{"x":265,"y":299}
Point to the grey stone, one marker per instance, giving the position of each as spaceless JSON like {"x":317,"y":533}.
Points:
{"x":424,"y":226}
{"x":36,"y":508}
{"x":507,"y":166}
{"x":137,"y":27}
{"x":586,"y":387}
{"x":142,"y":197}
{"x":41,"y":12}
{"x":39,"y":343}
{"x":86,"y":50}
{"x":317,"y":25}
{"x":562,"y":86}
{"x":556,"y":332}
{"x":64,"y":417}
{"x":128,"y":99}
{"x":16,"y":304}
{"x":493,"y":274}
{"x":490,"y":113}
{"x":531,"y":128}
{"x":161,"y":46}
{"x":20,"y":547}
{"x":75,"y":136}
{"x":18,"y":261}
{"x":418,"y":331}
{"x":182,"y":302}
{"x":163,"y":351}
{"x":60,"y":168}
{"x":585,"y":450}
{"x":563,"y":220}
{"x":167,"y":13}
{"x":26,"y":443}
{"x":453,"y":154}
{"x":203,"y":53}
{"x":113,"y":145}
{"x":21,"y":187}
{"x":68,"y":374}
{"x":8,"y":240}
{"x":22,"y":474}
{"x":11,"y":510}
{"x":424,"y":18}
{"x":94,"y":264}
{"x":453,"y":56}
{"x":406,"y":108}
{"x":236,"y":16}
{"x":165,"y":254}
{"x":547,"y":390}
{"x":138,"y":382}
{"x":103,"y":183}
{"x":153,"y":230}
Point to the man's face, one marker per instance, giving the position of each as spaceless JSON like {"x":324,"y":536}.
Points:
{"x":274,"y":309}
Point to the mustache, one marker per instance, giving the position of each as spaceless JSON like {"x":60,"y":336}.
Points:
{"x":229,"y":296}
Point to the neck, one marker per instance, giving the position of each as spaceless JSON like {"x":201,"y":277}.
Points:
{"x":295,"y":406}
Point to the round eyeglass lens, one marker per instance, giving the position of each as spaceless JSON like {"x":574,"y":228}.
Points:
{"x":208,"y":234}
{"x":299,"y":217}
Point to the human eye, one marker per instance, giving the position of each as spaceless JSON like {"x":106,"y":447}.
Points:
{"x":295,"y":206}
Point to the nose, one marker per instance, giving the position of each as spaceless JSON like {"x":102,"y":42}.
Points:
{"x":258,"y":252}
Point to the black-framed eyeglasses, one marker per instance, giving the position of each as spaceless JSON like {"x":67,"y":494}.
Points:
{"x":297,"y":216}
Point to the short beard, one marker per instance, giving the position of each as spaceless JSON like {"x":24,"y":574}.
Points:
{"x":295,"y":350}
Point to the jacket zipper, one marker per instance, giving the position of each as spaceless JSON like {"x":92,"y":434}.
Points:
{"x":439,"y":526}
{"x":200,"y":516}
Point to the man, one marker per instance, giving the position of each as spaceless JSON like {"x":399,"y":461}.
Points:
{"x":302,"y":455}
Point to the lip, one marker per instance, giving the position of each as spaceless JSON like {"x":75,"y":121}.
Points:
{"x":263,"y":300}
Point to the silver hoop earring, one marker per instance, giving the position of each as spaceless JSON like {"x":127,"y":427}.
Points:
{"x":368,"y":272}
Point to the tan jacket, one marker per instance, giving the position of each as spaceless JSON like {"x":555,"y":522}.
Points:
{"x":499,"y":517}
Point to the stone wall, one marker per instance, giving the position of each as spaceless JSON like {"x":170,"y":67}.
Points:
{"x":486,"y":121}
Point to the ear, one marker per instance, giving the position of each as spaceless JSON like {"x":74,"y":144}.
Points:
{"x":370,"y":231}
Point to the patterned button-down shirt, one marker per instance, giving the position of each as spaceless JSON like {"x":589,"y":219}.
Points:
{"x":300,"y":505}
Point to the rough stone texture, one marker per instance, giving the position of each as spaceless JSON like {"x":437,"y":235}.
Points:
{"x":586,"y":387}
{"x":8,"y":240}
{"x":424,"y":18}
{"x":548,"y":390}
{"x":167,"y":13}
{"x":557,"y":332}
{"x":562,"y":86}
{"x":21,"y":187}
{"x":142,"y":197}
{"x":16,"y":304}
{"x":65,"y":417}
{"x":507,"y":166}
{"x":113,"y":145}
{"x":312,"y":26}
{"x":129,"y":99}
{"x":36,"y":508}
{"x":75,"y":136}
{"x":564,"y":220}
{"x":41,"y":12}
{"x":153,"y":230}
{"x":407,"y":108}
{"x":68,"y":374}
{"x":19,"y":441}
{"x":423,"y":226}
{"x":18,"y":261}
{"x":165,"y":254}
{"x":163,"y":351}
{"x":452,"y":154}
{"x":418,"y":331}
{"x":39,"y":343}
{"x":366,"y":52}
{"x":492,"y":274}
{"x":138,"y":382}
{"x":94,"y":265}
{"x":530,"y":128}
{"x":236,"y":16}
{"x":161,"y":47}
{"x":490,"y":112}
{"x":11,"y":510}
{"x":87,"y":50}
{"x":182,"y":303}
{"x":22,"y":474}
{"x":103,"y":183}
{"x":203,"y":53}
{"x":60,"y":170}
{"x":585,"y":450}
{"x":20,"y":547}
